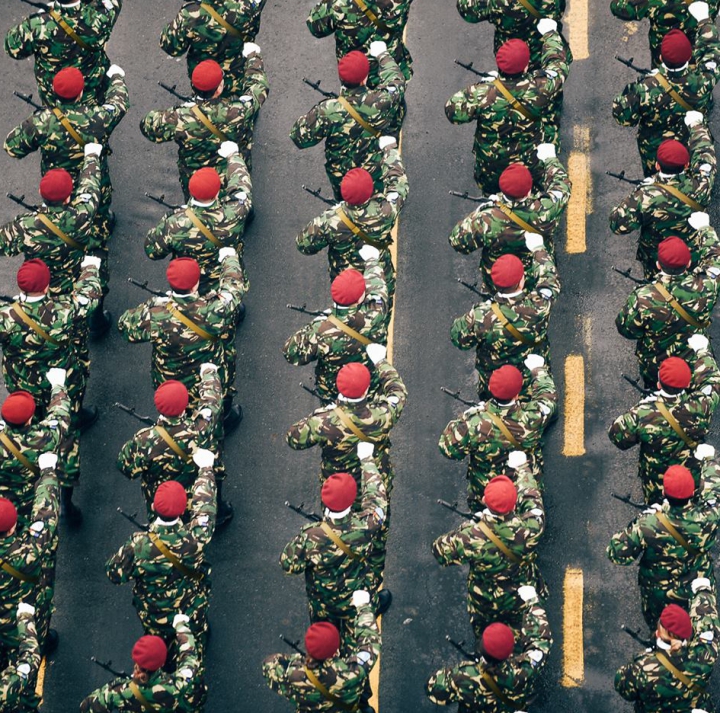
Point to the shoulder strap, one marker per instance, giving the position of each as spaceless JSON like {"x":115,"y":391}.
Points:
{"x":668,"y":297}
{"x":515,"y":102}
{"x":220,"y":19}
{"x":17,"y":573}
{"x":69,"y":127}
{"x":372,"y":16}
{"x":675,"y":534}
{"x":665,"y":411}
{"x":358,"y":232}
{"x":347,"y":422}
{"x":174,"y":561}
{"x":13,"y":448}
{"x":509,"y":326}
{"x":350,"y":109}
{"x":325,"y":527}
{"x":56,"y":230}
{"x":348,"y":330}
{"x":174,"y":445}
{"x":30,"y":322}
{"x":144,"y":702}
{"x":503,"y":429}
{"x":200,"y":114}
{"x":680,"y":196}
{"x":192,"y":216}
{"x":326,"y":693}
{"x":679,"y":675}
{"x":510,"y":213}
{"x":530,"y":8}
{"x":493,"y":686}
{"x":68,"y":29}
{"x":665,"y":84}
{"x":190,"y":324}
{"x":499,"y":543}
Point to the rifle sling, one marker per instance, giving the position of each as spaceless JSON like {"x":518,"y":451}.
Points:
{"x":17,"y":573}
{"x":372,"y":17}
{"x":190,"y":213}
{"x":12,"y":447}
{"x":144,"y":702}
{"x":69,"y":127}
{"x":498,"y":543}
{"x":347,"y":422}
{"x":325,"y":527}
{"x":190,"y":324}
{"x":68,"y":29}
{"x":665,"y":411}
{"x":350,"y":109}
{"x":174,"y":561}
{"x":30,"y":322}
{"x":665,"y":84}
{"x":514,"y":101}
{"x":200,"y":115}
{"x":357,"y":232}
{"x":665,"y":521}
{"x":510,"y":213}
{"x":325,"y":693}
{"x":509,"y":326}
{"x":530,"y":8}
{"x":493,"y":686}
{"x":503,"y":429}
{"x":220,"y":19}
{"x":668,"y":297}
{"x":60,"y":234}
{"x":680,"y":196}
{"x":679,"y":675}
{"x":348,"y":330}
{"x":174,"y":445}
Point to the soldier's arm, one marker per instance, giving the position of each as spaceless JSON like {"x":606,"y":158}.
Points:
{"x":58,"y":414}
{"x":628,"y":544}
{"x":709,"y":248}
{"x":706,"y":52}
{"x":29,"y":652}
{"x":376,"y":288}
{"x":160,"y":125}
{"x":627,"y":216}
{"x":555,"y":61}
{"x":12,"y":237}
{"x":87,"y":290}
{"x":374,"y":496}
{"x":629,"y":9}
{"x":392,"y":388}
{"x":473,"y":10}
{"x":105,"y":699}
{"x":394,"y":178}
{"x":175,"y":39}
{"x":132,"y":460}
{"x":46,"y":509}
{"x":210,"y":405}
{"x":316,"y":234}
{"x":467,"y":331}
{"x":306,"y":433}
{"x":703,"y":161}
{"x":455,"y":439}
{"x":117,"y":103}
{"x":158,"y":241}
{"x":706,"y":626}
{"x":546,"y":275}
{"x":442,"y":687}
{"x":706,"y":375}
{"x":468,"y":235}
{"x":626,"y":106}
{"x":203,"y":508}
{"x":454,"y":547}
{"x":275,"y":669}
{"x":623,"y":432}
{"x":293,"y":558}
{"x":710,"y":479}
{"x":20,"y":40}
{"x":368,"y":642}
{"x":238,"y":180}
{"x":232,"y":284}
{"x":468,"y":104}
{"x":255,"y":83}
{"x":136,"y":324}
{"x":87,"y":198}
{"x":302,"y":347}
{"x":536,"y":628}
{"x":188,"y":664}
{"x":27,"y":137}
{"x":321,"y":20}
{"x":557,"y":189}
{"x":120,"y":567}
{"x":311,"y":128}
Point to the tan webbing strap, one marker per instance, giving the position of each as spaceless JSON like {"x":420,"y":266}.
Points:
{"x":325,"y":527}
{"x":499,"y":543}
{"x":144,"y":702}
{"x":63,"y":236}
{"x":503,"y":429}
{"x":326,"y":694}
{"x":12,"y":447}
{"x":174,"y":445}
{"x":350,"y":109}
{"x":190,"y":213}
{"x":190,"y":324}
{"x":675,"y":534}
{"x":667,"y":296}
{"x":18,"y":574}
{"x":69,"y":127}
{"x":199,"y":114}
{"x":220,"y":19}
{"x":357,"y":232}
{"x":174,"y":561}
{"x":665,"y":84}
{"x":509,"y":326}
{"x":493,"y":686}
{"x":680,"y":195}
{"x":68,"y":29}
{"x":675,"y":671}
{"x":372,"y":16}
{"x":675,"y":425}
{"x":530,"y":8}
{"x":510,"y":213}
{"x":514,"y":101}
{"x":350,"y":425}
{"x":30,"y":322}
{"x":348,"y":330}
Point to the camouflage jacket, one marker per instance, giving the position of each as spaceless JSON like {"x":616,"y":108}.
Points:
{"x":17,"y":691}
{"x":178,"y":236}
{"x":163,"y":691}
{"x":516,"y":677}
{"x":233,"y":116}
{"x":345,"y":678}
{"x":653,"y":688}
{"x":29,"y":236}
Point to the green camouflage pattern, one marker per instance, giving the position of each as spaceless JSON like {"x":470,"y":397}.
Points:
{"x":17,"y":691}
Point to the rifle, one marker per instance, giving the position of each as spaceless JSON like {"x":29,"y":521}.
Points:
{"x":161,"y":200}
{"x":621,"y":177}
{"x":299,"y":509}
{"x":293,"y":644}
{"x":27,"y":98}
{"x":316,"y":87}
{"x":472,"y":69}
{"x":172,"y":91}
{"x":20,"y":200}
{"x":304,"y":310}
{"x":134,"y":520}
{"x":144,"y":286}
{"x":318,"y":194}
{"x":453,"y":506}
{"x":629,"y":63}
{"x":35,"y":4}
{"x":9,"y":300}
{"x":627,"y":499}
{"x":456,"y":396}
{"x":635,"y":634}
{"x":132,"y":412}
{"x":460,"y":646}
{"x":626,"y":273}
{"x":314,"y":392}
{"x":107,"y":665}
{"x":636,"y":384}
{"x":474,"y":289}
{"x":467,"y":197}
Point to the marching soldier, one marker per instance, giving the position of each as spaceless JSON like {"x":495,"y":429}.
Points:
{"x":501,"y":224}
{"x":358,"y":318}
{"x":351,"y":122}
{"x":71,"y":34}
{"x":17,"y":681}
{"x":661,"y":205}
{"x":515,"y":110}
{"x":488,"y":432}
{"x":202,"y":125}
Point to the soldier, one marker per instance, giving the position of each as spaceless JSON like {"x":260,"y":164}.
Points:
{"x":513,"y":323}
{"x":149,"y":687}
{"x":674,"y":673}
{"x":209,"y":222}
{"x":218,"y":30}
{"x":324,"y":679}
{"x":502,"y":223}
{"x":202,"y":125}
{"x":498,"y":679}
{"x":358,"y":318}
{"x":515,"y":111}
{"x":661,"y":205}
{"x":671,"y":421}
{"x":73,"y":35}
{"x":679,"y":303}
{"x":351,"y":122}
{"x":488,"y":432}
{"x":17,"y":681}
{"x":365,"y":217}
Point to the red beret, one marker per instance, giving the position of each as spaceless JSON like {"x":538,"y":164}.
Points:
{"x":171,"y":398}
{"x":33,"y":275}
{"x":170,"y":499}
{"x":348,"y":287}
{"x":675,"y":372}
{"x":673,"y":252}
{"x":150,"y":653}
{"x":8,"y":515}
{"x":678,"y":483}
{"x":513,"y":56}
{"x":18,"y":408}
{"x":56,"y":185}
{"x":353,"y":68}
{"x":206,"y":77}
{"x":501,"y":494}
{"x":204,"y":184}
{"x":183,"y":273}
{"x":505,"y":383}
{"x":322,"y":640}
{"x":353,"y":380}
{"x":675,"y":48}
{"x":677,"y":621}
{"x":357,"y":186}
{"x":68,"y":83}
{"x":672,"y":154}
{"x":507,"y":271}
{"x":498,"y":641}
{"x":339,"y":492}
{"x":516,"y":181}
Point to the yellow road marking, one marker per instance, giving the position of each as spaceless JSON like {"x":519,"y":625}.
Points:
{"x":580,"y":204}
{"x":573,"y":649}
{"x":574,"y":407}
{"x":577,"y":23}
{"x":40,"y":685}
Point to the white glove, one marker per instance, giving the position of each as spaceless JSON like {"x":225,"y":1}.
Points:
{"x":655,"y":507}
{"x":93,"y":149}
{"x":698,"y":342}
{"x":516,"y":459}
{"x":91,"y":261}
{"x":47,"y":460}
{"x":546,"y":25}
{"x":228,"y":148}
{"x":24,"y":608}
{"x":365,"y":449}
{"x":534,"y":361}
{"x":534,"y":241}
{"x":24,"y":670}
{"x":546,"y":151}
{"x":115,"y":71}
{"x":368,"y":252}
{"x":180,"y":619}
{"x":56,"y":376}
{"x":205,"y":368}
{"x":699,"y":219}
{"x":226,"y":252}
{"x":699,"y":10}
{"x":250,"y":48}
{"x":108,"y":5}
{"x":699,"y":582}
{"x":527,"y":592}
{"x":378,"y":46}
{"x":360,"y":598}
{"x":203,"y":458}
{"x":704,"y":451}
{"x":693,"y":118}
{"x":376,"y":352}
{"x":385,"y":141}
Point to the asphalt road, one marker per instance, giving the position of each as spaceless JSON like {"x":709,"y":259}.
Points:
{"x":252,"y":600}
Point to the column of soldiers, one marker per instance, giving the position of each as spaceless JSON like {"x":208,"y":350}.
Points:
{"x":668,"y":315}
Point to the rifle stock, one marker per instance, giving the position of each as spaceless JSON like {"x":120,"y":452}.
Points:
{"x":456,"y":395}
{"x":317,"y":88}
{"x":318,"y":194}
{"x":144,"y":286}
{"x":132,"y":412}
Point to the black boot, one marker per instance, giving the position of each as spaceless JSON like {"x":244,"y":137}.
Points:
{"x":70,"y":512}
{"x":233,"y":416}
{"x":225,"y":510}
{"x":100,"y":321}
{"x":384,"y":601}
{"x":51,"y":642}
{"x":88,"y":416}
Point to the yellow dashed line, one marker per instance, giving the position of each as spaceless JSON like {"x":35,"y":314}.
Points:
{"x":573,"y":649}
{"x":40,"y":685}
{"x":577,"y":24}
{"x":580,"y":204}
{"x":574,"y":408}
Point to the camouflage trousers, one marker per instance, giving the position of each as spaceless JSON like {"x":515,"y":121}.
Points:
{"x":651,"y":470}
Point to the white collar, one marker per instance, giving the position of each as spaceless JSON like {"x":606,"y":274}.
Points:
{"x":675,"y":69}
{"x":510,"y":294}
{"x":351,"y":401}
{"x":666,"y":395}
{"x":337,"y":515}
{"x":669,"y":175}
{"x":181,"y":295}
{"x":166,"y":523}
{"x":72,"y":4}
{"x":201,"y":204}
{"x":30,"y":300}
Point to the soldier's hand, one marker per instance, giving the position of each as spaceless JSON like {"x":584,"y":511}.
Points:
{"x":655,"y":507}
{"x":704,"y":451}
{"x":203,"y":458}
{"x":699,"y":10}
{"x":376,"y":352}
{"x":47,"y":460}
{"x":92,"y":149}
{"x":387,"y":141}
{"x":546,"y":151}
{"x":698,"y":342}
{"x":365,"y":450}
{"x":228,"y":148}
{"x":516,"y":459}
{"x":24,"y":670}
{"x":360,"y":598}
{"x":368,"y":252}
{"x":693,"y":118}
{"x":205,"y":368}
{"x":546,"y":25}
{"x":180,"y":619}
{"x":527,"y":592}
{"x":24,"y":608}
{"x":115,"y":71}
{"x":109,"y":5}
{"x":378,"y":47}
{"x":250,"y":49}
{"x":700,"y":583}
{"x":56,"y":376}
{"x":492,"y":75}
{"x":534,"y":241}
{"x":91,"y":261}
{"x":699,"y":219}
{"x":225,"y":252}
{"x":534,"y":361}
{"x":648,"y":181}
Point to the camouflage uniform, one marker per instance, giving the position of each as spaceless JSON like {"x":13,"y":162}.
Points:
{"x":476,"y":436}
{"x":504,"y":135}
{"x":345,"y":678}
{"x":17,"y":690}
{"x":375,"y":219}
{"x":489,"y":229}
{"x":330,"y":347}
{"x":54,"y":49}
{"x":657,"y":213}
{"x":516,"y":677}
{"x":195,"y":31}
{"x":652,"y":687}
{"x":647,"y":104}
{"x":234,"y":117}
{"x":348,"y":144}
{"x":177,"y":235}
